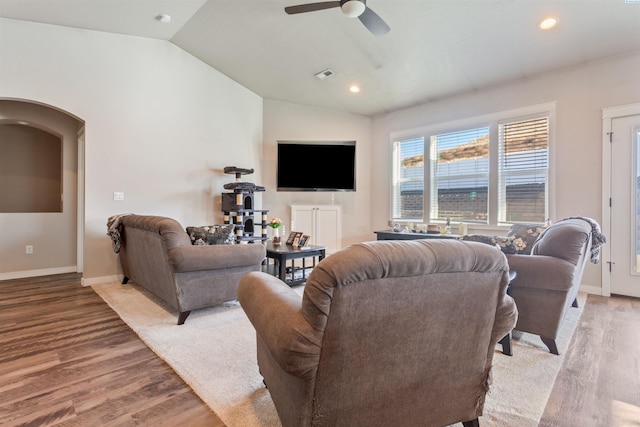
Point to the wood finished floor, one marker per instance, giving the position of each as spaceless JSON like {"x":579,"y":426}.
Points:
{"x":67,"y":359}
{"x":599,"y":383}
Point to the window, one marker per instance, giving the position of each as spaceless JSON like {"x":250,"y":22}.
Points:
{"x":494,"y":174}
{"x":523,"y":171}
{"x":460,"y":175}
{"x":408,"y":179}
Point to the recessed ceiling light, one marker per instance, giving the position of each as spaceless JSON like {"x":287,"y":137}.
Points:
{"x":164,"y":18}
{"x":548,"y":23}
{"x":355,"y":88}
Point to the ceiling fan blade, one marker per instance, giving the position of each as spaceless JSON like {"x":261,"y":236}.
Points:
{"x":373,"y":22}
{"x":311,"y":7}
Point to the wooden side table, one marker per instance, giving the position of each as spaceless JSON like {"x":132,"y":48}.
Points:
{"x":283,"y":253}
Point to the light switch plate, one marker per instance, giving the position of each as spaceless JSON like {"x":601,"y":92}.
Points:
{"x":117,"y":195}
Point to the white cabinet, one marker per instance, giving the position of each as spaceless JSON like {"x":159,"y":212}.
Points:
{"x":322,"y":222}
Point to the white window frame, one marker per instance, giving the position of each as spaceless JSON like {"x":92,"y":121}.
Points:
{"x":492,"y":121}
{"x":433,"y":181}
{"x":397,"y":181}
{"x":502,"y":177}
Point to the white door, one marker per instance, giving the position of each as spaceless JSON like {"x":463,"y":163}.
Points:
{"x":624,"y":239}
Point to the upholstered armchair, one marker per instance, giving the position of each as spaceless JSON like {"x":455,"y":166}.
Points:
{"x":548,"y":280}
{"x":388,"y":333}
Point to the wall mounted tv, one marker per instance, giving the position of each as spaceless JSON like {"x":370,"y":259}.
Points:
{"x":316,"y":166}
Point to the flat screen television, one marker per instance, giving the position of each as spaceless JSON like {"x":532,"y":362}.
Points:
{"x":316,"y":166}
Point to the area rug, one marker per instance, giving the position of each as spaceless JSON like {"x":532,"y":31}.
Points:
{"x":214,"y":352}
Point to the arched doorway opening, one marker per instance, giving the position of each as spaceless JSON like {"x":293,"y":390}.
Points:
{"x":43,"y":243}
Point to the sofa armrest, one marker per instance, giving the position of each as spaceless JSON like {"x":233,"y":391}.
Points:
{"x":274,"y":310}
{"x":541,"y":272}
{"x":197,"y":258}
{"x":506,"y":318}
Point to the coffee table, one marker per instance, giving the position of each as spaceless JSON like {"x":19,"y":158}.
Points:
{"x":283,"y":253}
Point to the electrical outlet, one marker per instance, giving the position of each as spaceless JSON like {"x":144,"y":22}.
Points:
{"x":29,"y":249}
{"x":118,"y":195}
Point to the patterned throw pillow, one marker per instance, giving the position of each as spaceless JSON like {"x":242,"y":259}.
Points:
{"x":212,"y":234}
{"x":504,"y":243}
{"x":524,"y":236}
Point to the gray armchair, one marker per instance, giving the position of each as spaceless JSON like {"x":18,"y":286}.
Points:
{"x":390,"y":333}
{"x":548,"y":280}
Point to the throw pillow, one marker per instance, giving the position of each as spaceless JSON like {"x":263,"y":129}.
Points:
{"x":524,"y":236}
{"x":504,"y":243}
{"x":212,"y":234}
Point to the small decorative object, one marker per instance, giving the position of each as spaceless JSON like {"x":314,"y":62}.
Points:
{"x":304,"y":240}
{"x":462,"y":228}
{"x":296,"y":239}
{"x":447,"y":227}
{"x":292,"y":237}
{"x":275,"y":224}
{"x":397,"y":227}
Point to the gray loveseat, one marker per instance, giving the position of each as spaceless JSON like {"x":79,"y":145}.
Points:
{"x":156,"y":253}
{"x":388,"y":333}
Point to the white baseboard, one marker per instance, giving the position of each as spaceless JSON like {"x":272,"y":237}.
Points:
{"x":37,"y":273}
{"x":591,"y":289}
{"x":97,"y":280}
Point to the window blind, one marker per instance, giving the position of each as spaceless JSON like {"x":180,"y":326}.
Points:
{"x":408,"y":179}
{"x":523,"y":170}
{"x":460,"y":175}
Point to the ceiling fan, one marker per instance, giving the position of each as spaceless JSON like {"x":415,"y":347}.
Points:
{"x":351,"y":8}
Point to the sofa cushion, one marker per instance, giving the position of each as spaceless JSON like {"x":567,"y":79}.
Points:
{"x":504,"y":243}
{"x":222,"y":234}
{"x":524,"y":236}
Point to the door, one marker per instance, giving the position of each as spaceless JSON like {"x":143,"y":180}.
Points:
{"x":624,"y":239}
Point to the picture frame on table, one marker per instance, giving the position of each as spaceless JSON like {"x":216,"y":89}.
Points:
{"x":304,"y":240}
{"x":292,"y":237}
{"x":296,"y":239}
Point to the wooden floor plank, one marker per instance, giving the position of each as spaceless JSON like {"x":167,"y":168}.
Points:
{"x":67,"y":359}
{"x":599,"y":383}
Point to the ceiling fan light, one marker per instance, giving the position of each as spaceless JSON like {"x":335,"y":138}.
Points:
{"x":353,"y":8}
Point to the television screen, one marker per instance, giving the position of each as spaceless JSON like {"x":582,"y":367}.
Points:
{"x":316,"y":166}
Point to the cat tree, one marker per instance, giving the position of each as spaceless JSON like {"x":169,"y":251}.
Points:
{"x":239,"y":207}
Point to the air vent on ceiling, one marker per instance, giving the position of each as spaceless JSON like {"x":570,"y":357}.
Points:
{"x":324,"y":74}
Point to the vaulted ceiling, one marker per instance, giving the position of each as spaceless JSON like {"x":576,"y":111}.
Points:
{"x":435,"y":49}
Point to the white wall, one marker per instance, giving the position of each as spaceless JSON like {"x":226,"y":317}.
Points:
{"x":580,"y":94}
{"x":160,"y":124}
{"x":286,"y":121}
{"x":52,"y":234}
